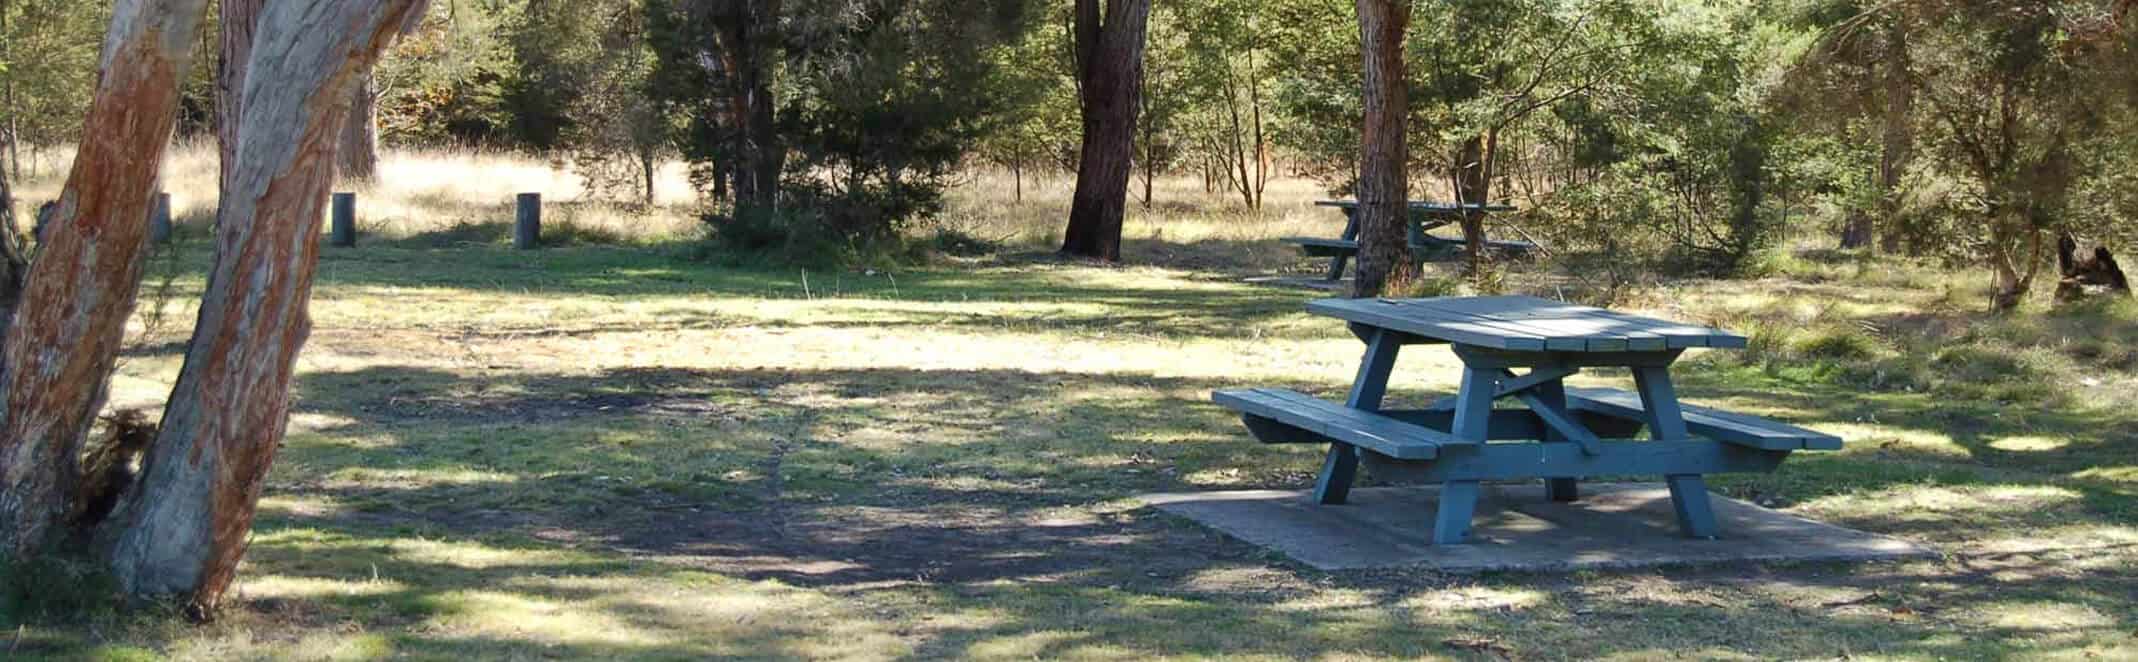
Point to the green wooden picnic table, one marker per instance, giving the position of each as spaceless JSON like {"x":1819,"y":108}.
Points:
{"x":1561,"y":434}
{"x":1424,"y":218}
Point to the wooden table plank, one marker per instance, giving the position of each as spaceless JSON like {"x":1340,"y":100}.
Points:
{"x":1525,"y":322}
{"x":1388,"y":314}
{"x":1681,"y":335}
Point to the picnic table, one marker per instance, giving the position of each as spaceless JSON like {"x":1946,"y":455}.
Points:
{"x":1424,"y":217}
{"x":1561,"y":434}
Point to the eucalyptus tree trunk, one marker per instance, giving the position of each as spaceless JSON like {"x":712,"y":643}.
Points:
{"x":1109,"y":60}
{"x":1384,"y":178}
{"x":236,"y":18}
{"x":1899,"y":144}
{"x":64,"y":340}
{"x":184,"y":526}
{"x":358,"y":157}
{"x":745,"y":36}
{"x":14,"y":263}
{"x":1473,"y":186}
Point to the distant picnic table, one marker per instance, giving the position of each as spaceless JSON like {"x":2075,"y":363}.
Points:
{"x":1424,"y":217}
{"x":1562,"y":435}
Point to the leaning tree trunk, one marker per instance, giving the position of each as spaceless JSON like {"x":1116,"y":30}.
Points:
{"x":185,"y":525}
{"x":357,"y":158}
{"x":1384,"y":179}
{"x":1109,"y":57}
{"x":236,"y":18}
{"x":64,"y":340}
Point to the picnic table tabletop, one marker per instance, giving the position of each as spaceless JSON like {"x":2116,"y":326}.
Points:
{"x":1522,"y":323}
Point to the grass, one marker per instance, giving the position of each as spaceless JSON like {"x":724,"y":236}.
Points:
{"x":603,"y":451}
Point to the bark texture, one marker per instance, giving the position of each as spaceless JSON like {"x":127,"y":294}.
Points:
{"x":14,"y":261}
{"x":744,"y":38}
{"x":62,"y":344}
{"x":1384,"y":178}
{"x":358,"y":155}
{"x":185,"y":526}
{"x":1109,"y":55}
{"x":1473,"y":186}
{"x":236,"y":18}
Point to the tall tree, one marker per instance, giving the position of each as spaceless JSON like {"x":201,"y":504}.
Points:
{"x":184,"y":527}
{"x":236,"y":19}
{"x":64,"y":340}
{"x":1384,"y":174}
{"x":357,"y":158}
{"x":1109,"y":68}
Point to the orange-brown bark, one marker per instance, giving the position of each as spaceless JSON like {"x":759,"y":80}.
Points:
{"x":1384,"y":179}
{"x":61,"y":347}
{"x":185,"y":526}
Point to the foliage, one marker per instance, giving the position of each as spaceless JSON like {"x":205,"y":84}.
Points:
{"x":875,"y":103}
{"x":48,"y":64}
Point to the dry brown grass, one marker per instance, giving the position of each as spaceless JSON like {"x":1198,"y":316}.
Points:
{"x":431,"y":191}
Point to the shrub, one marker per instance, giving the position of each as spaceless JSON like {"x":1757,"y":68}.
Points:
{"x":1841,"y":343}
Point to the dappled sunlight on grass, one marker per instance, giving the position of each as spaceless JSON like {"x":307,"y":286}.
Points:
{"x":600,"y":452}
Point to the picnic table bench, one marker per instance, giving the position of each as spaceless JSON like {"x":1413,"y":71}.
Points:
{"x":1561,"y":434}
{"x":1424,"y":217}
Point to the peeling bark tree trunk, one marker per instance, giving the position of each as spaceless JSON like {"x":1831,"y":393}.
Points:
{"x":185,"y":525}
{"x":1109,"y":54}
{"x":1384,"y":179}
{"x":62,"y":345}
{"x":236,"y":18}
{"x":358,"y":155}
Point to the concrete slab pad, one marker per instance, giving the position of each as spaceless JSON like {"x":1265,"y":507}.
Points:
{"x":1612,"y":526}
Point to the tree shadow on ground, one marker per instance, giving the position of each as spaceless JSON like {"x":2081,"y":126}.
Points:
{"x":988,"y":492}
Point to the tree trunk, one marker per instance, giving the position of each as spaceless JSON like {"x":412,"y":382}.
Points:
{"x":745,"y":38}
{"x":358,"y":154}
{"x":64,"y":342}
{"x":1384,"y":178}
{"x":649,"y":167}
{"x":1110,"y":69}
{"x":185,"y":525}
{"x":1899,"y":144}
{"x":14,"y":264}
{"x":236,"y":18}
{"x":1473,"y":186}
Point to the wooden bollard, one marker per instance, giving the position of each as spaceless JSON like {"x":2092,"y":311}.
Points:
{"x":159,"y":219}
{"x":344,"y":220}
{"x":527,"y":227}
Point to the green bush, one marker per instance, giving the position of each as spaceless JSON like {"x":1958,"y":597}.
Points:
{"x":1839,"y":343}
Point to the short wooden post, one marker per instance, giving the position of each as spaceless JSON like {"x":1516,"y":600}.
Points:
{"x":527,"y":229}
{"x":159,"y":220}
{"x":344,"y":223}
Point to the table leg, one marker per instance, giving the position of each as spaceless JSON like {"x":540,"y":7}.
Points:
{"x":1696,"y":517}
{"x":1562,"y":490}
{"x":1688,"y":492}
{"x":1351,"y":232}
{"x":1458,"y":505}
{"x":1340,"y":468}
{"x":1473,"y":421}
{"x":1338,"y":471}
